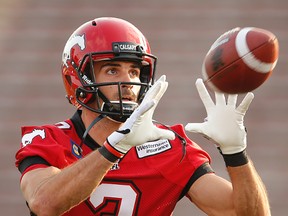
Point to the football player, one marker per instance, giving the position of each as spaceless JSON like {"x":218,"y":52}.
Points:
{"x":112,"y":158}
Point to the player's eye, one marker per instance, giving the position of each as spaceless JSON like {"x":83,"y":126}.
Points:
{"x":111,"y":72}
{"x":135,"y":73}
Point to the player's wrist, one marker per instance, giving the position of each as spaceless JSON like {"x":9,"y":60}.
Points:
{"x":236,"y":159}
{"x":110,"y":153}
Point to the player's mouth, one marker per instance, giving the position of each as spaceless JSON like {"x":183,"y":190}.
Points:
{"x":127,"y":99}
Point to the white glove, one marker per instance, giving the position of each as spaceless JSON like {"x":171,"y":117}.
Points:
{"x":138,"y":128}
{"x":224,"y":123}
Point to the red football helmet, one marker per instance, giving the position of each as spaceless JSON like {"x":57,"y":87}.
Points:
{"x":104,"y":38}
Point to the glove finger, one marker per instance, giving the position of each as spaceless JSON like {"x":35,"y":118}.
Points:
{"x":150,"y":94}
{"x":161,"y":91}
{"x":232,"y":100}
{"x":243,"y":107}
{"x":155,"y":89}
{"x":162,"y":79}
{"x":163,"y":134}
{"x":194,"y":127}
{"x":142,"y":109}
{"x":220,"y":98}
{"x":157,"y":84}
{"x":157,"y":99}
{"x":155,"y":94}
{"x":204,"y":95}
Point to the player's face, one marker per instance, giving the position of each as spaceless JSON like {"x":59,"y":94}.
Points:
{"x":118,"y":71}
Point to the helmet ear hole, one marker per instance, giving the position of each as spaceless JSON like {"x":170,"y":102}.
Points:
{"x":84,"y":97}
{"x":82,"y":94}
{"x":68,"y":79}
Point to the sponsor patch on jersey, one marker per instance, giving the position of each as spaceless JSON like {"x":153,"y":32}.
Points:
{"x":75,"y":149}
{"x":153,"y":148}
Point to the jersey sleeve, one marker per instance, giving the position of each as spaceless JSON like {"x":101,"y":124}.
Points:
{"x":46,"y":145}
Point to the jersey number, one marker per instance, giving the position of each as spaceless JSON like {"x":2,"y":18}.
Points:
{"x":119,"y":198}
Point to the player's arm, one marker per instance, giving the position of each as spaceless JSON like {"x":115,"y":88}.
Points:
{"x":224,"y":125}
{"x":51,"y":191}
{"x":217,"y":196}
{"x":213,"y":195}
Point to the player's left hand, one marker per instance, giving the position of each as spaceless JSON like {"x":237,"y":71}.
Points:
{"x":224,"y":123}
{"x":139,"y":127}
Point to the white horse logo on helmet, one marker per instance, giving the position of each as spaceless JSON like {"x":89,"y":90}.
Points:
{"x":73,"y":40}
{"x":28,"y":138}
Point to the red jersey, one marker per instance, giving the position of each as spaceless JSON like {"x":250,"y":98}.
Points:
{"x":149,"y":180}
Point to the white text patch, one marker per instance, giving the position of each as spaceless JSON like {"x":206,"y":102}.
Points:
{"x":152,"y":148}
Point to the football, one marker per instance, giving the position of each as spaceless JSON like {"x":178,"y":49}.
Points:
{"x":240,"y":60}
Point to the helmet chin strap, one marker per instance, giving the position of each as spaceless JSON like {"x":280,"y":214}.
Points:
{"x":97,"y":119}
{"x":130,"y":107}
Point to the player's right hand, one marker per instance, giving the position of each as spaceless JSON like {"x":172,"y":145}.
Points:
{"x":139,"y":128}
{"x":225,"y":121}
